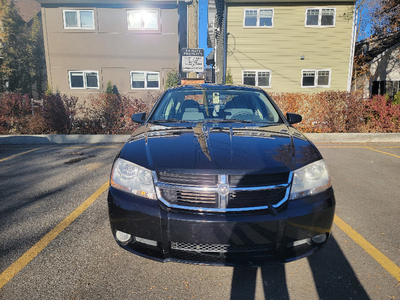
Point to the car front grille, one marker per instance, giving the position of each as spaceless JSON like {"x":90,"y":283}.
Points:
{"x":190,"y":198}
{"x":220,"y":193}
{"x":187,"y":179}
{"x":256,"y":198}
{"x":219,"y":248}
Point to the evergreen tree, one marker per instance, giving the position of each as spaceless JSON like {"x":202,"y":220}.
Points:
{"x":109,"y":89}
{"x":37,"y":61}
{"x":15,"y":64}
{"x":172,"y":79}
{"x":2,"y":78}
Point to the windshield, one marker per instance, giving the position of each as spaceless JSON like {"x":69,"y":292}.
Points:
{"x":219,"y":105}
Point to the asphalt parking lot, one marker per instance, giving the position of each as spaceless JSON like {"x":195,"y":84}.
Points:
{"x":55,"y":240}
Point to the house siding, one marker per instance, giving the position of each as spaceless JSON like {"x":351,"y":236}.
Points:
{"x":110,"y":48}
{"x":385,"y":67}
{"x":279,"y":48}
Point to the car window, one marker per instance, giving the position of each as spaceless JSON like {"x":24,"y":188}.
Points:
{"x":207,"y":105}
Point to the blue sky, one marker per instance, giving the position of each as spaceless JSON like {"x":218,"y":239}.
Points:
{"x":203,"y":21}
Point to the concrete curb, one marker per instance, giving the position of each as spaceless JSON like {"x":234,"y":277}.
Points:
{"x":62,"y":139}
{"x":322,"y":138}
{"x":319,"y":138}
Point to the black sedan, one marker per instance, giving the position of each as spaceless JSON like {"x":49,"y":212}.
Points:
{"x":217,"y":175}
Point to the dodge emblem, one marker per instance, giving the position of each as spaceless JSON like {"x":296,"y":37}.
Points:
{"x":223,"y":189}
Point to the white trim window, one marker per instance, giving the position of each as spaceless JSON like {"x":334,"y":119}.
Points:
{"x":261,"y":78}
{"x":83,"y":79}
{"x":258,"y":17}
{"x":143,"y":19}
{"x":145,"y":80}
{"x":78,"y":19}
{"x":316,"y":78}
{"x":320,"y":17}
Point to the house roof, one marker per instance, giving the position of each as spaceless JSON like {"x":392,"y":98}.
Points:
{"x":27,"y":8}
{"x":210,"y":60}
{"x":317,"y":2}
{"x":97,"y":2}
{"x":373,"y":47}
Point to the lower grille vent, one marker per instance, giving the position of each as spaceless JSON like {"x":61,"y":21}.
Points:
{"x":219,"y":248}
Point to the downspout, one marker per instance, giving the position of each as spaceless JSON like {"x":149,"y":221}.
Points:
{"x":352,"y":49}
{"x":46,"y":49}
{"x":225,"y":43}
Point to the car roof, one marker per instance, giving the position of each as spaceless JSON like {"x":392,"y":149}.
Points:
{"x":214,"y":86}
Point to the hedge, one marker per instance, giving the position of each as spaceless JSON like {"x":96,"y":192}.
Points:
{"x":330,"y":111}
{"x":336,"y":111}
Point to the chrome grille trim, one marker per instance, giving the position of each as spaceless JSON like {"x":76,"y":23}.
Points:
{"x":223,"y":199}
{"x":215,"y":189}
{"x":209,"y":189}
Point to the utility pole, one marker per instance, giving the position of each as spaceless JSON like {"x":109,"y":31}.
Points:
{"x":193,"y":29}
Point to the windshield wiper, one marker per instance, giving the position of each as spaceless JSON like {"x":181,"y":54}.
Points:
{"x":231,"y":121}
{"x":216,"y":121}
{"x":242,"y":121}
{"x":166,"y":121}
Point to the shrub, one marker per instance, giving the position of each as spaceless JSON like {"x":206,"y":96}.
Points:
{"x":329,"y":111}
{"x":396,"y":99}
{"x":34,"y":125}
{"x":382,"y":115}
{"x":15,"y":110}
{"x":108,"y":114}
{"x":303,"y":104}
{"x":172,"y":79}
{"x":55,"y":114}
{"x":229,"y":77}
{"x":343,"y":111}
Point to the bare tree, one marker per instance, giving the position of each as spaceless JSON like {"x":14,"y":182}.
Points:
{"x":377,"y":17}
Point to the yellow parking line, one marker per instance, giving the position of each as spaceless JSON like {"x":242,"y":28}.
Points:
{"x":68,"y":147}
{"x":320,"y":146}
{"x":382,"y":152}
{"x":15,"y":155}
{"x":21,"y":262}
{"x":388,"y":147}
{"x":338,"y":147}
{"x":385,"y":262}
{"x":89,"y":147}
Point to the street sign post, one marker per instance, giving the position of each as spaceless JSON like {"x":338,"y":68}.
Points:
{"x":192,"y":60}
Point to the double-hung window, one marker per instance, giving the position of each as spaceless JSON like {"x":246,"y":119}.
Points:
{"x":320,"y":17}
{"x":316,"y":78}
{"x":83,"y":79}
{"x":78,"y":19}
{"x":145,"y":80}
{"x":262,"y":17}
{"x":257,"y":78}
{"x":143,"y":19}
{"x":390,"y":88}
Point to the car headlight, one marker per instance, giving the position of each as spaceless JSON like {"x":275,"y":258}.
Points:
{"x":134,"y":179}
{"x":310,"y":180}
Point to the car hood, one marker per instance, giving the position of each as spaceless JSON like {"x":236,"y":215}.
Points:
{"x":214,"y":148}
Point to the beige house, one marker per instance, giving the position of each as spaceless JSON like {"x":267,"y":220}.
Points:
{"x":288,"y":46}
{"x":378,"y":68}
{"x":133,"y":44}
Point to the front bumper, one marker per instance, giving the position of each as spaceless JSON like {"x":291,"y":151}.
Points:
{"x":253,"y":238}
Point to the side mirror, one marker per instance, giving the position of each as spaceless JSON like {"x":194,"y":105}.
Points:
{"x":293,"y":118}
{"x":139,"y":118}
